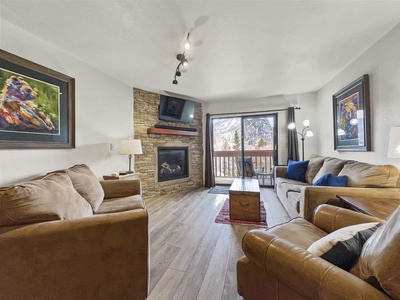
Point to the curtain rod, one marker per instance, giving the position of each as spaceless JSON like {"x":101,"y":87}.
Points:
{"x":251,"y":112}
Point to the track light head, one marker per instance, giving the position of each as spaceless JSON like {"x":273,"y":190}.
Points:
{"x":175,"y":81}
{"x":187,"y":42}
{"x":178,"y":73}
{"x":184,"y":62}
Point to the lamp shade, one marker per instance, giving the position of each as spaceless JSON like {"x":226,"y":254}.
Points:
{"x":394,"y":142}
{"x":130,"y":147}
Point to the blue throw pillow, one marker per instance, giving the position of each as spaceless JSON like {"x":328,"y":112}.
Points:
{"x":331,"y":180}
{"x":297,"y":170}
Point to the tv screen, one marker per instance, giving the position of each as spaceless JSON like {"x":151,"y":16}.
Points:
{"x":176,"y":110}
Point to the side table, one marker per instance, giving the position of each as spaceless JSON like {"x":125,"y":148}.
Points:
{"x":121,"y":177}
{"x":376,"y":207}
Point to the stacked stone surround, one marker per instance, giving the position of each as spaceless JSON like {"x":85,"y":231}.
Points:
{"x":145,"y":113}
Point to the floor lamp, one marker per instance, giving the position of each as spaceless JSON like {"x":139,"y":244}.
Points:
{"x":305,"y":132}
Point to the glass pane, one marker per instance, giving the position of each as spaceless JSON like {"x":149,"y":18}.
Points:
{"x":227,"y":149}
{"x":259,"y":147}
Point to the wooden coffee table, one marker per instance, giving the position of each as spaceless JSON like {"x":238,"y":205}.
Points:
{"x":376,"y":207}
{"x":244,"y":200}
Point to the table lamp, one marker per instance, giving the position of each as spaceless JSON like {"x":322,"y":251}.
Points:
{"x":130,"y":147}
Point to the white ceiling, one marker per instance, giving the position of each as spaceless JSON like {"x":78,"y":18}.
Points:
{"x":241,"y":49}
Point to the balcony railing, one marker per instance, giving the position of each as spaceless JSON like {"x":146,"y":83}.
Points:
{"x":225,"y":162}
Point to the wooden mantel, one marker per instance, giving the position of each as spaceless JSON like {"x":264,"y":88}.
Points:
{"x":154,"y":130}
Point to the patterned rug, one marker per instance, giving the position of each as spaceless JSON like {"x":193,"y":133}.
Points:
{"x":223,"y":217}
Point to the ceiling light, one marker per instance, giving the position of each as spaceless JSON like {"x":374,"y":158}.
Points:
{"x":174,"y":81}
{"x":184,"y":62}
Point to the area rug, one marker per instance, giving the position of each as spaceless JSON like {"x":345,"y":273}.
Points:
{"x":220,"y":189}
{"x":223,"y":217}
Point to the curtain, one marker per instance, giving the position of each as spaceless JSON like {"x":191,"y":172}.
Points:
{"x":209,"y":177}
{"x":293,"y":143}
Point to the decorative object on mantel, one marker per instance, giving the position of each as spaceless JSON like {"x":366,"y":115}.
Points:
{"x":223,"y":216}
{"x":351,"y":117}
{"x":394,"y":143}
{"x":305,"y":132}
{"x":182,"y":59}
{"x":130,"y":147}
{"x":36,"y":105}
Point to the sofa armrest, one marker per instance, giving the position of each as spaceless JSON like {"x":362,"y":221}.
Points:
{"x":312,"y":196}
{"x":101,"y":256}
{"x":121,"y":188}
{"x":280,"y":171}
{"x":309,"y":275}
{"x":330,"y":218}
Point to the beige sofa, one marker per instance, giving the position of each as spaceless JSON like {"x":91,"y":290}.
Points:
{"x":364,"y":180}
{"x":66,"y":235}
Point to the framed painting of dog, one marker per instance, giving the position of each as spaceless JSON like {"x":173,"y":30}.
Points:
{"x":37,"y":105}
{"x":351,"y":117}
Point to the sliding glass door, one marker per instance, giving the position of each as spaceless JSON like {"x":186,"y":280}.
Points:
{"x":248,"y":139}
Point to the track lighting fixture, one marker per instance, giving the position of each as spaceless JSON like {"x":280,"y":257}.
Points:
{"x":182,"y":60}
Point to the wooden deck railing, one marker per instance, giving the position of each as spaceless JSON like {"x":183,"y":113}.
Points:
{"x":225,"y":162}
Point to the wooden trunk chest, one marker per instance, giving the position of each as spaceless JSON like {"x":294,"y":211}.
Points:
{"x":244,"y":200}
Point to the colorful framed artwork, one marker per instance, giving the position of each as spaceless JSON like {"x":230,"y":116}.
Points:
{"x":351,"y":117}
{"x":37,"y":105}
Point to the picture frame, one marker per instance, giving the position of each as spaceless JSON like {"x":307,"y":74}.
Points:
{"x":37,"y":105}
{"x":351,"y":115}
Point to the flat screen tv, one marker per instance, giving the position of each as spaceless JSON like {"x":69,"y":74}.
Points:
{"x":176,"y":110}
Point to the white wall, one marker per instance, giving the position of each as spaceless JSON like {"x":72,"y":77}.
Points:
{"x":104,"y":113}
{"x":307,"y":103}
{"x":382,"y":63}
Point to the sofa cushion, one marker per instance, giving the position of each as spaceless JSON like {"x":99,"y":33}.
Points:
{"x":314,"y":166}
{"x":294,"y":201}
{"x":331,"y":165}
{"x":298,"y":231}
{"x":379,"y":262}
{"x":296,"y":170}
{"x":113,"y":205}
{"x":366,"y":175}
{"x":51,"y":198}
{"x":343,"y":246}
{"x":86,"y":183}
{"x":331,"y":180}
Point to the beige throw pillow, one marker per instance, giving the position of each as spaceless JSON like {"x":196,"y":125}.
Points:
{"x":314,"y":166}
{"x":87,"y":185}
{"x":331,"y":165}
{"x":51,"y":198}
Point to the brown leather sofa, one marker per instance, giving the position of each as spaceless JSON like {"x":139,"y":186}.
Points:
{"x":277,"y":264}
{"x":364,"y":180}
{"x":66,"y":235}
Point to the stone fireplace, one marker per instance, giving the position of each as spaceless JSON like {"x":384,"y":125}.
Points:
{"x":145,"y":116}
{"x":172,"y":163}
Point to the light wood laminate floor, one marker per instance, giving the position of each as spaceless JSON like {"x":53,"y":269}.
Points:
{"x":191,"y":256}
